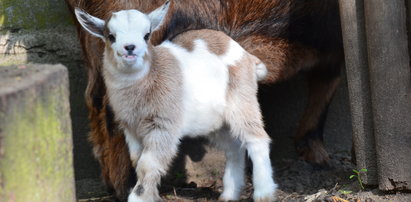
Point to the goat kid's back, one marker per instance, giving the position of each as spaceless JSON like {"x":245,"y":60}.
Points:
{"x":191,"y":80}
{"x":212,"y":67}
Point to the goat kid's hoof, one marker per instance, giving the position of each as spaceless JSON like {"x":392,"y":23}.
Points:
{"x":314,"y":152}
{"x":266,"y":195}
{"x":317,"y":158}
{"x":264,"y":199}
{"x":227,"y":198}
{"x":134,"y":198}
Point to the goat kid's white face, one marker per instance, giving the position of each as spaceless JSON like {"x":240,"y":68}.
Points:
{"x":126,"y":32}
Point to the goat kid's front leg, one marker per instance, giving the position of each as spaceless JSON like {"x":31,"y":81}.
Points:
{"x":134,"y":147}
{"x":159,"y":148}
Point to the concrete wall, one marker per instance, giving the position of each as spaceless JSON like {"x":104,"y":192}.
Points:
{"x":44,"y":34}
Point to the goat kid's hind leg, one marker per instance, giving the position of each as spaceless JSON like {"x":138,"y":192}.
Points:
{"x":233,"y":179}
{"x":244,"y":119}
{"x":258,"y":149}
{"x":159,"y":148}
{"x":248,"y":127}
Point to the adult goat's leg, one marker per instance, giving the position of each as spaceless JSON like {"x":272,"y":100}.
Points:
{"x":309,"y":138}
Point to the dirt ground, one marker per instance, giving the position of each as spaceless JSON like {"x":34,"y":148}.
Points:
{"x":297,"y":180}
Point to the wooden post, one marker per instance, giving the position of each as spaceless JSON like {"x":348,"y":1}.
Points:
{"x":353,"y":29}
{"x":390,"y":81}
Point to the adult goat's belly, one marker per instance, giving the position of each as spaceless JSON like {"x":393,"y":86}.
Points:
{"x":205,"y":81}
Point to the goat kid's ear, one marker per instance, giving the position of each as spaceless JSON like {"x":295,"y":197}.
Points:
{"x":93,"y":25}
{"x":157,"y":16}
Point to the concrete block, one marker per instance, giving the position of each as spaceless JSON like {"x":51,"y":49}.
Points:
{"x":36,"y":161}
{"x":390,"y":80}
{"x":58,"y":45}
{"x":353,"y":28}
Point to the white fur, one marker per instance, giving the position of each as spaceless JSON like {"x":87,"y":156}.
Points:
{"x":85,"y":19}
{"x":122,"y":26}
{"x":123,"y":80}
{"x":235,"y":52}
{"x":261,"y":71}
{"x":134,"y":198}
{"x":263,"y":185}
{"x":134,"y":147}
{"x":205,"y":78}
{"x":156,"y":16}
{"x":233,"y":179}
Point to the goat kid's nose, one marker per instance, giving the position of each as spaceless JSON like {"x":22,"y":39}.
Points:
{"x":130,"y":47}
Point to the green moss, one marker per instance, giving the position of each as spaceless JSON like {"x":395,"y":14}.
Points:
{"x":33,"y":14}
{"x":37,"y":161}
{"x":13,"y":60}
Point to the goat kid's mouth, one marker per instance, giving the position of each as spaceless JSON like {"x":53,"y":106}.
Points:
{"x":129,"y":57}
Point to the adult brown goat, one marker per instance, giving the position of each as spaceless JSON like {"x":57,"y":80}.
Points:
{"x":288,"y":36}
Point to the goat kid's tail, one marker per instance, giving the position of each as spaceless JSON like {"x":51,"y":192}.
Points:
{"x":260,"y":68}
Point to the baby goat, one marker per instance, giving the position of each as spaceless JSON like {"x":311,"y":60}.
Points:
{"x":201,"y":83}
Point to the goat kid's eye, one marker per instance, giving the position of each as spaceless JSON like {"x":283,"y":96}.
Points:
{"x":146,"y":36}
{"x":111,"y":38}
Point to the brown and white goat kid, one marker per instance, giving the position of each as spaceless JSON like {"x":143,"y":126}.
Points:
{"x":202,"y":83}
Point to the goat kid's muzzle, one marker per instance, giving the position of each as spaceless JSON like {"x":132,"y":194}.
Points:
{"x":128,"y":56}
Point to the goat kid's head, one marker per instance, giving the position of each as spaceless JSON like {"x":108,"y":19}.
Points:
{"x":127,"y":33}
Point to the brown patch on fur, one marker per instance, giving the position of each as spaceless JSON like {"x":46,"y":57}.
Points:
{"x":242,"y":90}
{"x":110,"y":53}
{"x":147,"y":56}
{"x":217,"y":42}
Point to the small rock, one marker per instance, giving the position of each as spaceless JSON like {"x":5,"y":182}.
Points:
{"x":313,"y":197}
